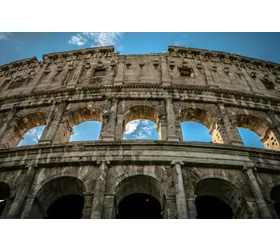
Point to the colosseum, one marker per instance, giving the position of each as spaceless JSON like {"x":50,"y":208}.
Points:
{"x":168,"y":178}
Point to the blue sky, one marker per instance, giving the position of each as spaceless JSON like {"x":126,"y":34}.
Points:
{"x":17,"y":46}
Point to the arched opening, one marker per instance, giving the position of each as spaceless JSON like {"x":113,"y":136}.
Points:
{"x":66,"y":207}
{"x":218,"y":199}
{"x":250,"y":138}
{"x":275,"y":196}
{"x":260,"y":134}
{"x":211,"y":207}
{"x":4,"y":194}
{"x":86,"y":131}
{"x":140,"y":130}
{"x":141,"y":122}
{"x":196,"y":124}
{"x":60,"y":198}
{"x":30,"y":126}
{"x":139,"y":206}
{"x":138,"y":197}
{"x":86,"y":124}
{"x":32,"y":136}
{"x":194,"y":131}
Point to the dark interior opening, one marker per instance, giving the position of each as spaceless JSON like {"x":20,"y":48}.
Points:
{"x":66,"y":207}
{"x":275,"y":196}
{"x":139,"y":206}
{"x":2,"y":204}
{"x":210,"y":207}
{"x":4,"y":193}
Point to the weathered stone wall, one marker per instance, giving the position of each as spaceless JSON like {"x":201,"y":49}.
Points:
{"x":219,"y":90}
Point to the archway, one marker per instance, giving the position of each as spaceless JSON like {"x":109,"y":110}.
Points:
{"x":4,"y":194}
{"x":22,"y":125}
{"x":32,"y":136}
{"x":196,"y":124}
{"x":259,"y":126}
{"x":86,"y":131}
{"x":218,"y":199}
{"x":140,"y":130}
{"x":275,"y":196}
{"x":138,"y":197}
{"x":60,"y":198}
{"x":143,"y":121}
{"x":194,"y":131}
{"x":211,"y":207}
{"x":250,"y":138}
{"x":86,"y":124}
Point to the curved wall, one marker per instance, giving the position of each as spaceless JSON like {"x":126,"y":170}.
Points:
{"x":220,"y":90}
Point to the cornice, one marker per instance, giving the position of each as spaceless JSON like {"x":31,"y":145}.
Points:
{"x":98,"y":90}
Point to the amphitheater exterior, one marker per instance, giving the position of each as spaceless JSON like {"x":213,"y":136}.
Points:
{"x":182,"y":179}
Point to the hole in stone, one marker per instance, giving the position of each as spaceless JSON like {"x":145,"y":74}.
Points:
{"x":32,"y":136}
{"x":66,"y":207}
{"x":139,"y":206}
{"x":210,"y":207}
{"x":141,"y":130}
{"x":86,"y":131}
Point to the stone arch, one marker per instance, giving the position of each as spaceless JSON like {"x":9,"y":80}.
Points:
{"x":143,"y":186}
{"x":261,"y":126}
{"x":5,"y":193}
{"x":51,"y":191}
{"x":58,"y":175}
{"x":203,"y":116}
{"x":78,"y":115}
{"x":137,"y":112}
{"x":83,"y":114}
{"x":21,"y":125}
{"x":225,"y":191}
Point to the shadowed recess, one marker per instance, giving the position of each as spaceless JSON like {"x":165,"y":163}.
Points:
{"x":66,"y":207}
{"x":4,"y":194}
{"x":86,"y":131}
{"x":210,"y":207}
{"x":275,"y":196}
{"x":139,"y":206}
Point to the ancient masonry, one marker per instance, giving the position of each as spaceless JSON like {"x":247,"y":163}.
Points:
{"x":110,"y":177}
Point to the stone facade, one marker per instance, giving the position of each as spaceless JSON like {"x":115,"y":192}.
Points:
{"x":219,"y":90}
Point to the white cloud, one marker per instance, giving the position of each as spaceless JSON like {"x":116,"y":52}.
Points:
{"x":4,"y":35}
{"x":78,"y":40}
{"x":34,"y":134}
{"x":131,"y":127}
{"x":97,"y":39}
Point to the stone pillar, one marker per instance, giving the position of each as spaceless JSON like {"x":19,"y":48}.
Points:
{"x":166,"y":79}
{"x":99,"y":192}
{"x":76,"y":74}
{"x":191,"y":206}
{"x":162,"y":128}
{"x":87,"y":205}
{"x":23,"y":190}
{"x":8,"y":120}
{"x":53,"y":123}
{"x":171,"y":130}
{"x":230,"y":127}
{"x":108,"y":209}
{"x":179,"y":190}
{"x":120,"y":74}
{"x":119,"y":128}
{"x":262,"y":206}
{"x":110,"y":130}
{"x":169,"y":209}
